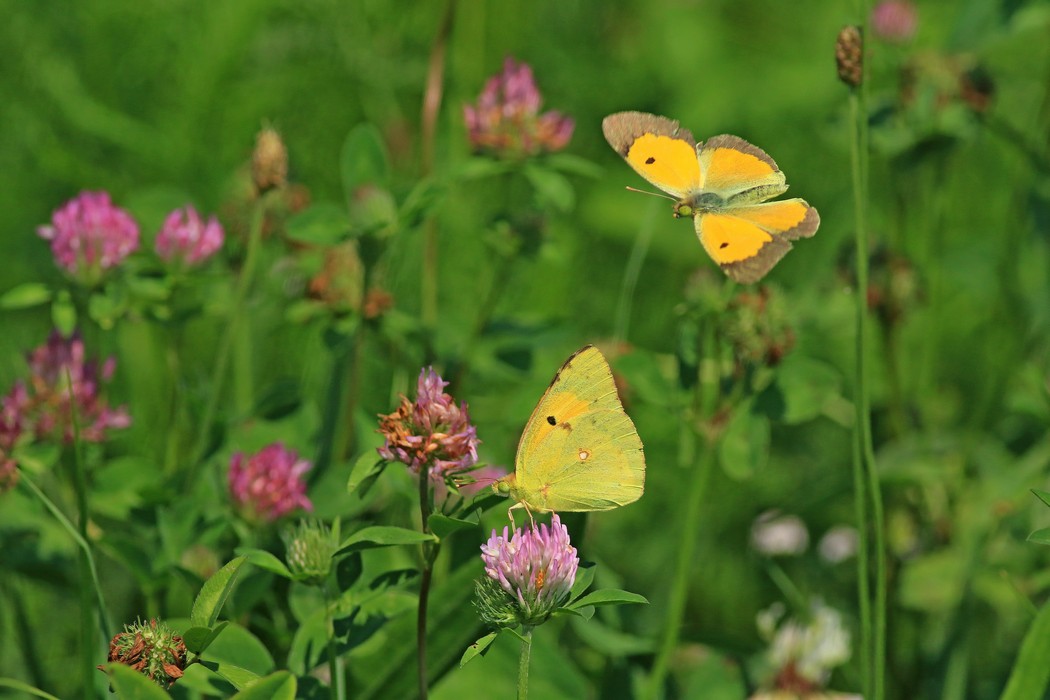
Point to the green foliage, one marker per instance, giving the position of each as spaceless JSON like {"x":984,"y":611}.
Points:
{"x":374,"y":263}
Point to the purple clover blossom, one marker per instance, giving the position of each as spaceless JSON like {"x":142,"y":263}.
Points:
{"x":89,"y":236}
{"x":63,"y":382}
{"x":895,"y":20}
{"x":431,"y":431}
{"x":186,"y":238}
{"x":269,"y":484}
{"x":506,"y":119}
{"x":534,"y":568}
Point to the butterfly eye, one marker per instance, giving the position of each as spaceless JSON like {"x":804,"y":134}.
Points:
{"x":682,"y":210}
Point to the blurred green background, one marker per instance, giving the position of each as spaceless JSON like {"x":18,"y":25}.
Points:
{"x":157,"y":100}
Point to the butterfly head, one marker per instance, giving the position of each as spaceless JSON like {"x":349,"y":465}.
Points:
{"x":505,"y":486}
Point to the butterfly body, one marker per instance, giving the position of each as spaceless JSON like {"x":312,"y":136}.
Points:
{"x":723,"y":184}
{"x":579,"y":450}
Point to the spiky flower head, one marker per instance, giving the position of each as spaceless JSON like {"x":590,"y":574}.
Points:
{"x":269,"y":161}
{"x":269,"y":483}
{"x":528,"y":575}
{"x":89,"y":236}
{"x":432,"y":431}
{"x":63,"y":384}
{"x":756,"y":326}
{"x":186,"y":239}
{"x":152,"y":649}
{"x":506,"y":119}
{"x":849,"y":55}
{"x":802,"y":653}
{"x":309,"y":548}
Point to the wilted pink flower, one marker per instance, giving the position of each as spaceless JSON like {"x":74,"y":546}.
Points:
{"x":186,"y":238}
{"x":269,"y":483}
{"x":151,"y":648}
{"x":89,"y":235}
{"x":12,"y":410}
{"x":433,"y":431}
{"x":62,"y":382}
{"x":506,"y":118}
{"x":894,"y":20}
{"x":535,"y":569}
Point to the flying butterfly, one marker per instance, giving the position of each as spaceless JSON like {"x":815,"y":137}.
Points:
{"x":723,"y":184}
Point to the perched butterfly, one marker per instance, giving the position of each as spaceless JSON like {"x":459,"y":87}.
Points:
{"x":579,"y":450}
{"x":723,"y":184}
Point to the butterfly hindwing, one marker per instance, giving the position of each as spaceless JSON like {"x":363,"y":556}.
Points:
{"x":748,"y":241}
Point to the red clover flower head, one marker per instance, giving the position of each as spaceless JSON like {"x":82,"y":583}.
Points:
{"x":152,"y":649}
{"x":432,"y":431}
{"x":186,"y":238}
{"x":894,"y":20}
{"x":506,"y":119}
{"x":89,"y":236}
{"x":269,"y":483}
{"x":527,"y":575}
{"x":62,"y":382}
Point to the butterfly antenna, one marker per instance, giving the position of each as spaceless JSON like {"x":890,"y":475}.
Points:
{"x":655,"y":194}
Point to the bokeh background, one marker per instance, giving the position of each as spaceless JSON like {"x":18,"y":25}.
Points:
{"x":159,"y":102}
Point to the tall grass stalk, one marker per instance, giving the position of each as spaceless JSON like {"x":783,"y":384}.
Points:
{"x":432,"y":96}
{"x":865,"y":472}
{"x":699,"y":461}
{"x":630,"y":278}
{"x":104,"y":623}
{"x":233,"y":327}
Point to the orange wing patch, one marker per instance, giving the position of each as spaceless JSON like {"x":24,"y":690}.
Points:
{"x":669,"y":163}
{"x":728,"y":239}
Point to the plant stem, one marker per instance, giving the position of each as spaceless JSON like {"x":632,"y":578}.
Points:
{"x":523,"y":663}
{"x":701,"y":472}
{"x":222,"y":358}
{"x":865,"y":470}
{"x":84,"y":565}
{"x":337,"y":684}
{"x":333,"y":415}
{"x":429,"y":552}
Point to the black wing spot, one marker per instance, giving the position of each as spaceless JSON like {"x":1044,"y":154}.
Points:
{"x":650,"y":160}
{"x":724,"y":245}
{"x":552,"y":420}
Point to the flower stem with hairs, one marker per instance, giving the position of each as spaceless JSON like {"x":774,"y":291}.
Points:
{"x":523,"y":663}
{"x":429,"y":554}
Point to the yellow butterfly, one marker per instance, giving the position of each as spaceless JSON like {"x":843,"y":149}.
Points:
{"x":722,"y":184}
{"x":579,"y":450}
